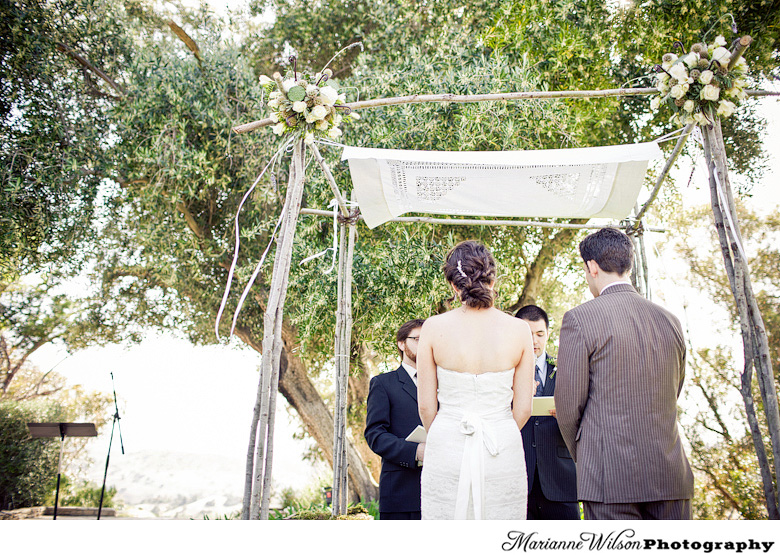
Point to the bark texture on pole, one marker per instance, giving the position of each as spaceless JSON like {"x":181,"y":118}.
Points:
{"x":754,"y":339}
{"x":262,"y":427}
{"x":342,"y":353}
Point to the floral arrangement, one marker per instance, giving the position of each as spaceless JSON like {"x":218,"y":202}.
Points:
{"x":305,"y":104}
{"x":700,"y":86}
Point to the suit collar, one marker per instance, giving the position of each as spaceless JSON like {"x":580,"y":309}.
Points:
{"x":619,"y":287}
{"x":407,"y":384}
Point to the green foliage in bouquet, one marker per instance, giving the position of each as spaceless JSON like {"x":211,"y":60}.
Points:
{"x":700,"y":86}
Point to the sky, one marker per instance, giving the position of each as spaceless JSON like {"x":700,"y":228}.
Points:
{"x":174,"y":396}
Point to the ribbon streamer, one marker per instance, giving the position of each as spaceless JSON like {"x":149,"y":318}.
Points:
{"x":238,"y":240}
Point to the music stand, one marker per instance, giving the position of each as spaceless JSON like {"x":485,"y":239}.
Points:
{"x":61,"y":429}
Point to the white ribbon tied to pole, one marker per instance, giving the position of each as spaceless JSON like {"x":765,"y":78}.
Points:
{"x":232,"y":270}
{"x":335,"y":248}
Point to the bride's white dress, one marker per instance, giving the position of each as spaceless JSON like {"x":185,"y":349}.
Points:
{"x":474,"y":465}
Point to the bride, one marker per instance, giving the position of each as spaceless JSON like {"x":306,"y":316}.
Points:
{"x":475,"y":383}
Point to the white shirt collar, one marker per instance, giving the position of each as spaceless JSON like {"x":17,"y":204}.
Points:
{"x":614,"y":283}
{"x":541,"y":362}
{"x":412,"y":372}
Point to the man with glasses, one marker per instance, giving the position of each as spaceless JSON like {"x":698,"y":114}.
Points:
{"x":391,"y":415}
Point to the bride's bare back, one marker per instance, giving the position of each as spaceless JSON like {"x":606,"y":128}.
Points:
{"x":476,"y":340}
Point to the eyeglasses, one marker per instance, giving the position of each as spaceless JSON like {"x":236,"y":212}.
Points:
{"x":415,"y":338}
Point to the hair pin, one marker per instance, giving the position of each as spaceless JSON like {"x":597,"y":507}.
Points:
{"x":460,"y":269}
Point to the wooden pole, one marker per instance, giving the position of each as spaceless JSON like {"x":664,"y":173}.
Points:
{"x":447,"y":221}
{"x":272,"y":341}
{"x":329,"y":176}
{"x":755,"y":345}
{"x":467,"y":98}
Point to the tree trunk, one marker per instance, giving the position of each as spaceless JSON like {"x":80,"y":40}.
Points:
{"x":543,"y":260}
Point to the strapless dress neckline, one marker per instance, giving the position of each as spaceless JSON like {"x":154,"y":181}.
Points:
{"x":472,"y":373}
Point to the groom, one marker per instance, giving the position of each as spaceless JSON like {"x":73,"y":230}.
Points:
{"x":621,"y":364}
{"x":391,"y":415}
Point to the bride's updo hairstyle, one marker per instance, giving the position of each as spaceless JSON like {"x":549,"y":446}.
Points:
{"x":471,"y":267}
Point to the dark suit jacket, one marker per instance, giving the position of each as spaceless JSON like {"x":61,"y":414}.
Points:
{"x":621,"y":364}
{"x":391,"y":415}
{"x":545,"y":449}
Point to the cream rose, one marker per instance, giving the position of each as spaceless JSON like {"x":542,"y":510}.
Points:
{"x":689,"y":105}
{"x":705,"y":77}
{"x":321,"y":125}
{"x":691,"y":60}
{"x":710,"y":92}
{"x":329,"y":94}
{"x":319,"y":112}
{"x":726,"y":108}
{"x":679,"y":72}
{"x":299,"y":106}
{"x":677,"y":91}
{"x":722,"y":56}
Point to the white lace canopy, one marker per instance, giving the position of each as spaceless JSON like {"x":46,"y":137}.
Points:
{"x":595,"y":182}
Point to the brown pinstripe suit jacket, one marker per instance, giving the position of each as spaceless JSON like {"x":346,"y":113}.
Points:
{"x":621,"y":364}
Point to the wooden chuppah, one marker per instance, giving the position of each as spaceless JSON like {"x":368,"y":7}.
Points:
{"x":260,"y":453}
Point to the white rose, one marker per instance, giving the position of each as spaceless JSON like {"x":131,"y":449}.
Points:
{"x":265,"y":80}
{"x":722,"y":56}
{"x":720,"y":40}
{"x":330,"y":94}
{"x":299,"y":106}
{"x":334,"y":133}
{"x":655,"y":102}
{"x":691,"y":60}
{"x":309,"y":138}
{"x":689,"y":105}
{"x":319,"y":112}
{"x":726,"y":108}
{"x":705,"y":77}
{"x":288,"y":84}
{"x":668,"y":60}
{"x":677,"y":91}
{"x":710,"y":92}
{"x":679,"y":72}
{"x":278,"y":129}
